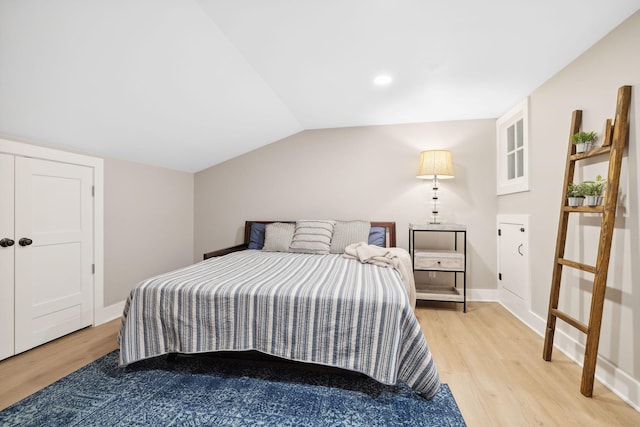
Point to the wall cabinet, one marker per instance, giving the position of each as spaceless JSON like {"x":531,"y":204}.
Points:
{"x":439,"y":256}
{"x":46,"y":250}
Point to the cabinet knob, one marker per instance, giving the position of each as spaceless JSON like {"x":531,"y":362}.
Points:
{"x":5,"y":243}
{"x":25,"y":241}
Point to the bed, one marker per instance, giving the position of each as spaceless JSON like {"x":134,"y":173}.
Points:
{"x":330,"y":309}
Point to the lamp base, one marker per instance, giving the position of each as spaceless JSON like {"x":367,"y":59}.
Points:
{"x":434,"y":213}
{"x":434,"y":199}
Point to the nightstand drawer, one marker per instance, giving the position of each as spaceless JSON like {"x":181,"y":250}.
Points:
{"x":438,"y":260}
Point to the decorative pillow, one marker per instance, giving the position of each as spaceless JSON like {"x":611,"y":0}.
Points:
{"x":278,"y":236}
{"x":256,"y":236}
{"x":312,"y":237}
{"x":348,"y":232}
{"x":377,"y":236}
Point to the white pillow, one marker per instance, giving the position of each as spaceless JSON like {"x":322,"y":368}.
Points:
{"x":278,"y":236}
{"x":312,"y":237}
{"x":348,"y":232}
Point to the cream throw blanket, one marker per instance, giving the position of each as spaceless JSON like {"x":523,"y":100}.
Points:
{"x":397,"y":258}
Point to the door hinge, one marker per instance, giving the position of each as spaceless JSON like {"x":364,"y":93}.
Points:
{"x":93,"y":269}
{"x":499,"y":232}
{"x":499,"y":276}
{"x":93,"y":190}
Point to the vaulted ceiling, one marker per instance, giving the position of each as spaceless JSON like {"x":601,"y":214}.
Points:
{"x":187,"y":84}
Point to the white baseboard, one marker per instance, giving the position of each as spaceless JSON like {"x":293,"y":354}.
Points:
{"x":484,"y":295}
{"x":619,"y":382}
{"x":107,"y":314}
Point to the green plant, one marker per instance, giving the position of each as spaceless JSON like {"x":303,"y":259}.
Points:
{"x":582,"y":137}
{"x":594,"y":188}
{"x":575,"y":190}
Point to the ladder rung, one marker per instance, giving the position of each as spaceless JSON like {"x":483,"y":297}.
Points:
{"x":579,"y":266}
{"x":590,"y":153}
{"x":584,"y":209}
{"x":570,"y":320}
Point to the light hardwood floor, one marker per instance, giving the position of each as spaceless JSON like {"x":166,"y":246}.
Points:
{"x":32,"y":370}
{"x":492,"y":362}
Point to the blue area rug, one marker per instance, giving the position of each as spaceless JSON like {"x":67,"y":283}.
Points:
{"x":214,"y":390}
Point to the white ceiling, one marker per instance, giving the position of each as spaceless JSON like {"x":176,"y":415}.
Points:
{"x":187,"y":84}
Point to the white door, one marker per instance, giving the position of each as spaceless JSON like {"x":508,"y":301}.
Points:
{"x":514,"y":281}
{"x":513,"y":259}
{"x":53,"y":250}
{"x":7,"y":248}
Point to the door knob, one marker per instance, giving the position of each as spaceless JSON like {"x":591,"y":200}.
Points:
{"x":5,"y":243}
{"x":25,"y":241}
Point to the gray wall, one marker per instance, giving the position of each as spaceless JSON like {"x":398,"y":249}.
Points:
{"x":357,"y":173}
{"x":148,"y":215}
{"x":590,"y":83}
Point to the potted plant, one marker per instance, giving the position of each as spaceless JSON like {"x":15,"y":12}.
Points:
{"x":593,"y":191}
{"x":575,"y":195}
{"x":584,"y":140}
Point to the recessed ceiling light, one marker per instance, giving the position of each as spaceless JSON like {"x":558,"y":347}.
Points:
{"x":382,"y":79}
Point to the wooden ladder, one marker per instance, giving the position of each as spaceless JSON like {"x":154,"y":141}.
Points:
{"x":614,"y":140}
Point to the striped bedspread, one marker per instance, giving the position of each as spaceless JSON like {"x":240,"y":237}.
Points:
{"x":322,"y":309}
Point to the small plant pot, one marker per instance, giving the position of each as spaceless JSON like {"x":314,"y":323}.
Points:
{"x":583,"y":147}
{"x":593,"y":200}
{"x":575,"y":201}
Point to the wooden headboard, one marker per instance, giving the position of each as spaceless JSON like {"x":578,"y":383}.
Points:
{"x":389,"y":238}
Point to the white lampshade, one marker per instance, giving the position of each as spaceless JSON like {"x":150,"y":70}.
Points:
{"x":435,"y":163}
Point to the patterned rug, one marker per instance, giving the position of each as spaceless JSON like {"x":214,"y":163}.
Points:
{"x":215,"y":390}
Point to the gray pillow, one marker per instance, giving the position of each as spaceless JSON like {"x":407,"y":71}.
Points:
{"x":348,"y":232}
{"x":278,"y":236}
{"x":312,"y":237}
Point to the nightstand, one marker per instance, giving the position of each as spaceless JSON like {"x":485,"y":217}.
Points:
{"x":441,"y":251}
